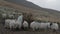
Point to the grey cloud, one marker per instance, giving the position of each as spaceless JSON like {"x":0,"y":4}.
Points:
{"x":44,"y":3}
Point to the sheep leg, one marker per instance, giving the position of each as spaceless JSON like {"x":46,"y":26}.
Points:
{"x":33,"y":29}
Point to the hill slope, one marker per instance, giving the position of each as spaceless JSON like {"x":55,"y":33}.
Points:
{"x":41,"y":13}
{"x":24,"y":3}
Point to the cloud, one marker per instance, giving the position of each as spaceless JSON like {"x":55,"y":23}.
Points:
{"x":53,"y":4}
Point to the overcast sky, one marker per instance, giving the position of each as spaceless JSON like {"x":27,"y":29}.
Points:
{"x":53,"y":4}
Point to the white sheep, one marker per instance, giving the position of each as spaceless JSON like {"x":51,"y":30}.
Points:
{"x":54,"y":26}
{"x":44,"y":25}
{"x":14,"y":23}
{"x":25,"y":24}
{"x":7,"y":21}
{"x":36,"y":25}
{"x":19,"y":21}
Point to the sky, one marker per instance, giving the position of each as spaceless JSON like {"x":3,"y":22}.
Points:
{"x":52,"y":4}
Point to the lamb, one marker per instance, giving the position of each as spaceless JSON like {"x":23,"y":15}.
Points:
{"x":25,"y":25}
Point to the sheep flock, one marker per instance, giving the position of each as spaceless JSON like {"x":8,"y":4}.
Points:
{"x":34,"y":25}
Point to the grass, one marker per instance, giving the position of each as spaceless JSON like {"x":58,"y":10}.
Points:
{"x":30,"y":16}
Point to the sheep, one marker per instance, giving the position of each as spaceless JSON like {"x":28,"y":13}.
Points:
{"x":7,"y":21}
{"x":36,"y":25}
{"x":19,"y":21}
{"x":25,"y":25}
{"x":14,"y":23}
{"x":54,"y":26}
{"x":44,"y":25}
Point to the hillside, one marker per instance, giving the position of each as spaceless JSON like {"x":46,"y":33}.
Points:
{"x":39,"y":13}
{"x":24,"y":3}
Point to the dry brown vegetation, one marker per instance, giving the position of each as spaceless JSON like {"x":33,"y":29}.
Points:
{"x":37,"y":14}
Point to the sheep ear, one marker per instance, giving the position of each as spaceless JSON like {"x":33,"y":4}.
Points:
{"x":50,"y":24}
